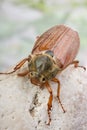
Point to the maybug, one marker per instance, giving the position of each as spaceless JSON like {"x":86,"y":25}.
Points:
{"x":53,"y":51}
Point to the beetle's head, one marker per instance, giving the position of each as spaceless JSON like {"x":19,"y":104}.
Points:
{"x":42,"y":68}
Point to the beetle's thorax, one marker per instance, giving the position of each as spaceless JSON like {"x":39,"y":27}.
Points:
{"x":42,"y":67}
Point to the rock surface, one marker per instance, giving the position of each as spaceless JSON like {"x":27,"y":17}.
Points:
{"x":23,"y":106}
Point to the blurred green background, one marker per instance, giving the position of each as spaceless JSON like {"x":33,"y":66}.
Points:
{"x":22,"y":20}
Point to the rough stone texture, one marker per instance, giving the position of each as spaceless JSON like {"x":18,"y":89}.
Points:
{"x":23,"y":106}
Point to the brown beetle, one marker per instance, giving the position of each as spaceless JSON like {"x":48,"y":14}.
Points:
{"x":53,"y":51}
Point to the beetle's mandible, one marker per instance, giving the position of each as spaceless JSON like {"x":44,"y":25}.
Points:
{"x":53,"y":51}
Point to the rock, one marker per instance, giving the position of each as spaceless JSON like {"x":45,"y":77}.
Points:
{"x":23,"y":106}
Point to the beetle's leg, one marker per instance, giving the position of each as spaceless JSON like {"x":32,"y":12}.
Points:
{"x":23,"y":73}
{"x":18,"y":66}
{"x":76,"y":62}
{"x":49,"y":102}
{"x":58,"y":93}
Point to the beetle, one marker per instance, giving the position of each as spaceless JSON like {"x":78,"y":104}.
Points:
{"x":53,"y":51}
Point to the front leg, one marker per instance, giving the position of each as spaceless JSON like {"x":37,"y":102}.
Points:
{"x":58,"y":93}
{"x":49,"y":102}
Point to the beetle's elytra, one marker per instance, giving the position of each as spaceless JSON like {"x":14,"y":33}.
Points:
{"x":53,"y":51}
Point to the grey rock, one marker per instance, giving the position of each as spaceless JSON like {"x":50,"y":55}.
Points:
{"x":23,"y":106}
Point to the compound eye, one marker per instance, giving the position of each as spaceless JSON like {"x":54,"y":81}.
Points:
{"x":31,"y":74}
{"x":43,"y":79}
